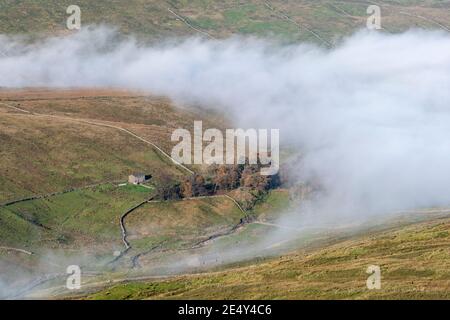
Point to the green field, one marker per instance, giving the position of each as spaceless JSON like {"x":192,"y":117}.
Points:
{"x":86,"y":218}
{"x":89,"y":218}
{"x":79,"y":227}
{"x":181,"y":221}
{"x":83,"y":227}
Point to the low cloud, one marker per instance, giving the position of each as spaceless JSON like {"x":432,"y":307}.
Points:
{"x":371,"y":116}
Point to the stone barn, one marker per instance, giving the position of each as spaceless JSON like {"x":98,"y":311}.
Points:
{"x":138,"y":178}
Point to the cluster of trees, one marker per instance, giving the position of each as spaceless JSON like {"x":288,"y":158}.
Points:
{"x":167,"y":190}
{"x":195,"y":186}
{"x":219,"y":179}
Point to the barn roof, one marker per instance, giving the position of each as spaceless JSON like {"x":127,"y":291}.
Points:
{"x":138,"y":175}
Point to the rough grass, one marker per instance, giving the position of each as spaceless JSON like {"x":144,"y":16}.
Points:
{"x":414,"y":264}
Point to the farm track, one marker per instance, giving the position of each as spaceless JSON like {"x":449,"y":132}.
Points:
{"x":102,"y":124}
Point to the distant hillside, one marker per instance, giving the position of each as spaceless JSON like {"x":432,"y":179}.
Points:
{"x":322,"y":21}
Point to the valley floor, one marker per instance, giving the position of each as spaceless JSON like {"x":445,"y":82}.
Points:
{"x":414,"y":263}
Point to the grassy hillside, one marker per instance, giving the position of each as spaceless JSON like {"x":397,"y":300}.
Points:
{"x":154,"y":19}
{"x":79,"y":227}
{"x":82,"y":227}
{"x":75,"y":220}
{"x":41,"y":155}
{"x":49,"y":150}
{"x":61,"y":153}
{"x":414,"y":264}
{"x":153,"y":117}
{"x":180,"y":223}
{"x":89,"y":219}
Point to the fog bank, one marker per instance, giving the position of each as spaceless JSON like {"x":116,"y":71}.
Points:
{"x":372,"y":116}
